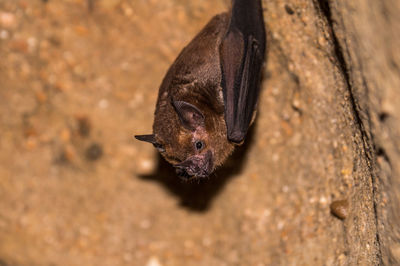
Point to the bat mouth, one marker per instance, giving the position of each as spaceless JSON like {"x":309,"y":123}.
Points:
{"x":198,"y":166}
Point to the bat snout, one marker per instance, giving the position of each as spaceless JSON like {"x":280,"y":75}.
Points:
{"x":200,"y":166}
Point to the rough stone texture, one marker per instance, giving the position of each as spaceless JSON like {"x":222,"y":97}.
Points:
{"x":369,"y":40}
{"x":78,"y":74}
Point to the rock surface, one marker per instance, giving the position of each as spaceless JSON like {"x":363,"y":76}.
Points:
{"x":78,"y":73}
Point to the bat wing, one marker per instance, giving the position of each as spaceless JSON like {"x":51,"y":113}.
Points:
{"x":241,"y":56}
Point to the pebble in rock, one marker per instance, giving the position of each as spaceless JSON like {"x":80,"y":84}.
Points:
{"x":340,"y":208}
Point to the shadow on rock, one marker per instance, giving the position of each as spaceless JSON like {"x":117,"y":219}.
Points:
{"x":197,"y":195}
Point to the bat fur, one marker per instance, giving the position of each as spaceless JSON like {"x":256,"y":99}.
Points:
{"x":208,"y":98}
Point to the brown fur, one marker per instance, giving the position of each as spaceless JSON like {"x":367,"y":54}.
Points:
{"x":195,"y":77}
{"x":207,"y":100}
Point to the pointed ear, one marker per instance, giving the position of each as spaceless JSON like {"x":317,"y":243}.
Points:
{"x":151,"y":139}
{"x":191,"y":117}
{"x":147,"y":138}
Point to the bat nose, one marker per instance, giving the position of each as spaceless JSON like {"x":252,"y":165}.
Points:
{"x":184,"y":169}
{"x":195,"y":167}
{"x":187,"y":170}
{"x":182,"y":173}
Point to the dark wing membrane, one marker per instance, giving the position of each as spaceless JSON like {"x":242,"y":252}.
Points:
{"x":242,"y":55}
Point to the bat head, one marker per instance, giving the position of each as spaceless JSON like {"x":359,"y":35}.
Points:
{"x":189,"y":140}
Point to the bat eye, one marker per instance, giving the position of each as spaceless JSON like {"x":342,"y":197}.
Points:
{"x":199,"y":145}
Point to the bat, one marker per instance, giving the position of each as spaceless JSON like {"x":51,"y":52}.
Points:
{"x":208,"y":99}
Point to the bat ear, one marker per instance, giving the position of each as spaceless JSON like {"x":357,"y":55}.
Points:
{"x":191,"y":117}
{"x":147,"y":138}
{"x":151,"y":139}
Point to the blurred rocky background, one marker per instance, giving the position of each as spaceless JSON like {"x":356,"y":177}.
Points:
{"x":317,"y":182}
